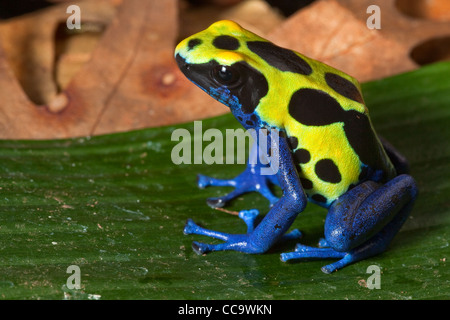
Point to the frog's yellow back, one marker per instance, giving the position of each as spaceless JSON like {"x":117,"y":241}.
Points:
{"x":321,"y":109}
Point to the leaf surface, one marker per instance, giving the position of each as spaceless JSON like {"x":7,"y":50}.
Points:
{"x":115,"y":205}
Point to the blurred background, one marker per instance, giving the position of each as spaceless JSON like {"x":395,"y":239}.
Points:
{"x":117,"y":73}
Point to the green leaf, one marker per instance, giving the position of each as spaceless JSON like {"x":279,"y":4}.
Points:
{"x":115,"y":206}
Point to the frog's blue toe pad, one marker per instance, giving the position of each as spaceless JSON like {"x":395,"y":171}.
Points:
{"x":249,"y":217}
{"x":189,"y":227}
{"x":199,"y":248}
{"x":293,"y":235}
{"x":216,"y":202}
{"x":202,"y":248}
{"x":323,"y":243}
{"x":204,"y":181}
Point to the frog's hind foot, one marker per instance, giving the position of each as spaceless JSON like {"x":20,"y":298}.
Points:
{"x":361,"y":223}
{"x":310,"y":253}
{"x":303,"y":252}
{"x":374,"y":246}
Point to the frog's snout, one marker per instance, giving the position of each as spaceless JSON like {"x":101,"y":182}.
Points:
{"x":181,"y":62}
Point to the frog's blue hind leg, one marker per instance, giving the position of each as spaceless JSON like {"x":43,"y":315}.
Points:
{"x":362,"y":222}
{"x":248,"y":181}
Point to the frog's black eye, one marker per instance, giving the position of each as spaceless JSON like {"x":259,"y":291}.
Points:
{"x":226,"y":75}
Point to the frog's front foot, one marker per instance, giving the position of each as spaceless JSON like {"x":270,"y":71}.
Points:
{"x":248,"y":181}
{"x":236,"y":242}
{"x":255,"y":177}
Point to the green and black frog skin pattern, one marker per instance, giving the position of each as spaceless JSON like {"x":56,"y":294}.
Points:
{"x":327,"y":150}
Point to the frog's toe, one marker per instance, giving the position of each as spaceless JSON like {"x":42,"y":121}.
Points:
{"x":200,"y":247}
{"x":190,"y":227}
{"x":302,"y":248}
{"x":323,"y":243}
{"x":235,"y":242}
{"x":203,"y":248}
{"x":346,"y":260}
{"x":248,"y":181}
{"x":240,"y":189}
{"x":216,"y":202}
{"x":303,"y":252}
{"x":202,"y":181}
{"x":220,"y":202}
{"x":293,"y":235}
{"x":205,"y":181}
{"x":249,"y":217}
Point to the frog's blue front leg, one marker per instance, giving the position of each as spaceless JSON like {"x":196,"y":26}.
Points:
{"x":362,"y":222}
{"x":274,"y":225}
{"x":248,"y":216}
{"x":248,"y":181}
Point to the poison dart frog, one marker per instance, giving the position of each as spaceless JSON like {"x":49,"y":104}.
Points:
{"x":327,"y":151}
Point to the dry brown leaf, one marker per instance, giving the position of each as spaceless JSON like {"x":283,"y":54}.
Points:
{"x":336,"y":33}
{"x":130,"y":79}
